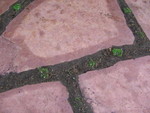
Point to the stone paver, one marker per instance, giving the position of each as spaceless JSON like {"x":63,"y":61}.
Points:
{"x":122,"y":88}
{"x":54,"y":31}
{"x":5,"y":4}
{"x":141,"y":11}
{"x":41,"y":98}
{"x":8,"y":52}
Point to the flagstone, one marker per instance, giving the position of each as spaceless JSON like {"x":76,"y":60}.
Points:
{"x":8,"y":52}
{"x":54,"y":31}
{"x":141,"y":11}
{"x":122,"y":88}
{"x":40,"y":98}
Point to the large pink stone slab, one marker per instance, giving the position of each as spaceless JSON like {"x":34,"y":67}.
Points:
{"x":122,"y":88}
{"x":5,"y":4}
{"x":40,"y":98}
{"x":141,"y":10}
{"x":8,"y":52}
{"x":53,"y":31}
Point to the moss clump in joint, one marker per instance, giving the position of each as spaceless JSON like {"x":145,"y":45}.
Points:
{"x":16,"y":7}
{"x":117,"y":52}
{"x":127,"y":10}
{"x":78,"y":99}
{"x":141,"y":34}
{"x":44,"y":73}
{"x":91,"y":63}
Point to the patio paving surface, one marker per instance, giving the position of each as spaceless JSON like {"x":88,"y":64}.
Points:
{"x":40,"y":98}
{"x":50,"y":32}
{"x":8,"y":52}
{"x":74,"y":40}
{"x":122,"y":88}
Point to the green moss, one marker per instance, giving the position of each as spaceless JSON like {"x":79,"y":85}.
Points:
{"x":44,"y":73}
{"x":141,"y":34}
{"x":17,"y":7}
{"x":127,"y":10}
{"x":78,"y":99}
{"x":117,"y":52}
{"x":91,"y":63}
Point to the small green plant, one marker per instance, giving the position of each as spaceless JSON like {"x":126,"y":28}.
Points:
{"x":91,"y":63}
{"x":17,"y":7}
{"x":141,"y":34}
{"x":78,"y":101}
{"x":127,"y":10}
{"x":44,"y":72}
{"x":117,"y":52}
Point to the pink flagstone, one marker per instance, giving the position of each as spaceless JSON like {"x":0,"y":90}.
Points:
{"x":40,"y":98}
{"x":122,"y":88}
{"x":53,"y":31}
{"x":5,"y":4}
{"x":141,"y":10}
{"x":8,"y":52}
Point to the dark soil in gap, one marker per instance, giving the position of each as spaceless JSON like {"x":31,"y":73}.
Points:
{"x":68,"y":72}
{"x":132,"y":23}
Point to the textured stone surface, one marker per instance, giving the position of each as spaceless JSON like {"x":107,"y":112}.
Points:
{"x":54,"y":31}
{"x":141,"y":10}
{"x":8,"y":52}
{"x":122,"y":88}
{"x":41,"y":98}
{"x":5,"y":4}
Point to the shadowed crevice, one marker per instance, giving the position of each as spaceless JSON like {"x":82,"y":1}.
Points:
{"x":132,"y":23}
{"x":67,"y":72}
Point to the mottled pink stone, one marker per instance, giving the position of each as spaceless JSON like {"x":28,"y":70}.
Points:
{"x":54,"y":31}
{"x":122,"y":88}
{"x":40,"y":98}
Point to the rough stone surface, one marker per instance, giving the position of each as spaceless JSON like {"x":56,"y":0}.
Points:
{"x":53,"y":31}
{"x":141,"y":10}
{"x":42,"y":98}
{"x":8,"y":52}
{"x":5,"y":4}
{"x":122,"y":88}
